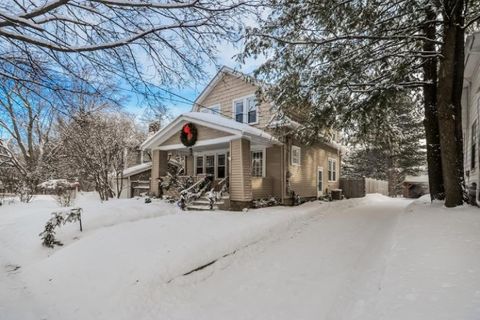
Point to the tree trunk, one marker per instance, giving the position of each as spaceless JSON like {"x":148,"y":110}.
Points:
{"x":457,"y":94}
{"x":432,"y":135}
{"x":447,"y":108}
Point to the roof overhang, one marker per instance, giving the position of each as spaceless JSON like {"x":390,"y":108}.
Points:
{"x":234,"y":130}
{"x":472,"y":55}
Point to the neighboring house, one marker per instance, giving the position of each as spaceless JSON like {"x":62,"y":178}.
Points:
{"x":136,"y":180}
{"x":415,"y":186}
{"x":228,"y":135}
{"x":470,"y":113}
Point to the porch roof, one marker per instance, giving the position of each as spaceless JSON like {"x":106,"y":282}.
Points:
{"x":233,"y":128}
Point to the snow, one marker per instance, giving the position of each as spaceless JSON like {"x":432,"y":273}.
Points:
{"x":137,"y":169}
{"x":214,"y":120}
{"x":416,"y":179}
{"x":368,"y":258}
{"x":54,"y":184}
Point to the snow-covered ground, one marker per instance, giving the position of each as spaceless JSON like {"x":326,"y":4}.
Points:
{"x":370,"y":258}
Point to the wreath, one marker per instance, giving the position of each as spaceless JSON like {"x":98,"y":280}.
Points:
{"x":188,"y":135}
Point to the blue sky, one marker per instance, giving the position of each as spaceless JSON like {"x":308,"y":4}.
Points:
{"x":225,"y":56}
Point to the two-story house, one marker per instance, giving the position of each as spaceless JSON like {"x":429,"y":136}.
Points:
{"x":229,"y":135}
{"x":470,"y":113}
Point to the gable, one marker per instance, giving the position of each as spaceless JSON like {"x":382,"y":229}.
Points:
{"x":204,"y":133}
{"x":226,"y":89}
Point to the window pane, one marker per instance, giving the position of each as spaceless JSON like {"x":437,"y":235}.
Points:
{"x":199,"y":163}
{"x":221,"y":159}
{"x":210,"y":164}
{"x":239,"y":111}
{"x":252,"y":116}
{"x":252,"y":110}
{"x":221,"y":172}
{"x":257,"y":164}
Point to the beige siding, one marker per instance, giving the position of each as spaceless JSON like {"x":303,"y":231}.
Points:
{"x":240,"y":170}
{"x":159,"y":169}
{"x":271,"y":184}
{"x":204,"y":133}
{"x":231,"y":88}
{"x":262,"y":188}
{"x":303,"y":178}
{"x":189,"y":165}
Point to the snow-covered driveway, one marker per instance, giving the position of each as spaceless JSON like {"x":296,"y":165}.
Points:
{"x":324,"y":267}
{"x":373,"y":258}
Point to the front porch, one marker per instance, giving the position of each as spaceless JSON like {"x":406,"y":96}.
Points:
{"x":232,"y":156}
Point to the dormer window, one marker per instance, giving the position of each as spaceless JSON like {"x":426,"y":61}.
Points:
{"x":245,"y":110}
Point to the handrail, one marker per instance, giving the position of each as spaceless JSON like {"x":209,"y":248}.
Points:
{"x":193,"y":186}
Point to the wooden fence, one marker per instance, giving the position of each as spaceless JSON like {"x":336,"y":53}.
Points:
{"x":359,"y":187}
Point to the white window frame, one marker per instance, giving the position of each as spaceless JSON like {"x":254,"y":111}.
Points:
{"x":299,"y":149}
{"x":244,"y":100}
{"x":215,"y":153}
{"x":264,"y":160}
{"x":195,"y":164}
{"x":225,"y":164}
{"x":334,"y":161}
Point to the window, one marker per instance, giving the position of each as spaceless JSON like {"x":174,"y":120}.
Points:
{"x":473,"y":145}
{"x":252,"y":110}
{"x":221,"y":166}
{"x":239,"y":111}
{"x":210,"y":165}
{"x":332,"y":170}
{"x":199,"y":165}
{"x":296,"y":155}
{"x":245,"y":110}
{"x":257,"y":163}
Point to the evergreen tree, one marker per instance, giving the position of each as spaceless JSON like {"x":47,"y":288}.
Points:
{"x":393,"y":149}
{"x":338,"y":56}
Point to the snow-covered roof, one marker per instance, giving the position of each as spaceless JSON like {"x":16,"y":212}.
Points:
{"x":137,"y":169}
{"x":416,"y":179}
{"x":218,"y":122}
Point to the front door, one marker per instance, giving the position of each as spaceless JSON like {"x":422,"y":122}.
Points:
{"x":319,"y":182}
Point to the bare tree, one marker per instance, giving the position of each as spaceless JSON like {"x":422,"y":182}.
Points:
{"x":136,"y":41}
{"x":94,"y":145}
{"x":28,"y":145}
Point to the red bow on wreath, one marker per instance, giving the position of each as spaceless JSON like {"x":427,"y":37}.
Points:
{"x":188,"y":131}
{"x":188,"y":134}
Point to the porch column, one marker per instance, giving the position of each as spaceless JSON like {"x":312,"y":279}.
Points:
{"x":189,"y":166}
{"x":159,"y":169}
{"x":240,"y":174}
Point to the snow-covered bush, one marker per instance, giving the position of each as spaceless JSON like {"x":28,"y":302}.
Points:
{"x":25,"y":194}
{"x":262,"y":203}
{"x":58,"y":219}
{"x":63,"y":191}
